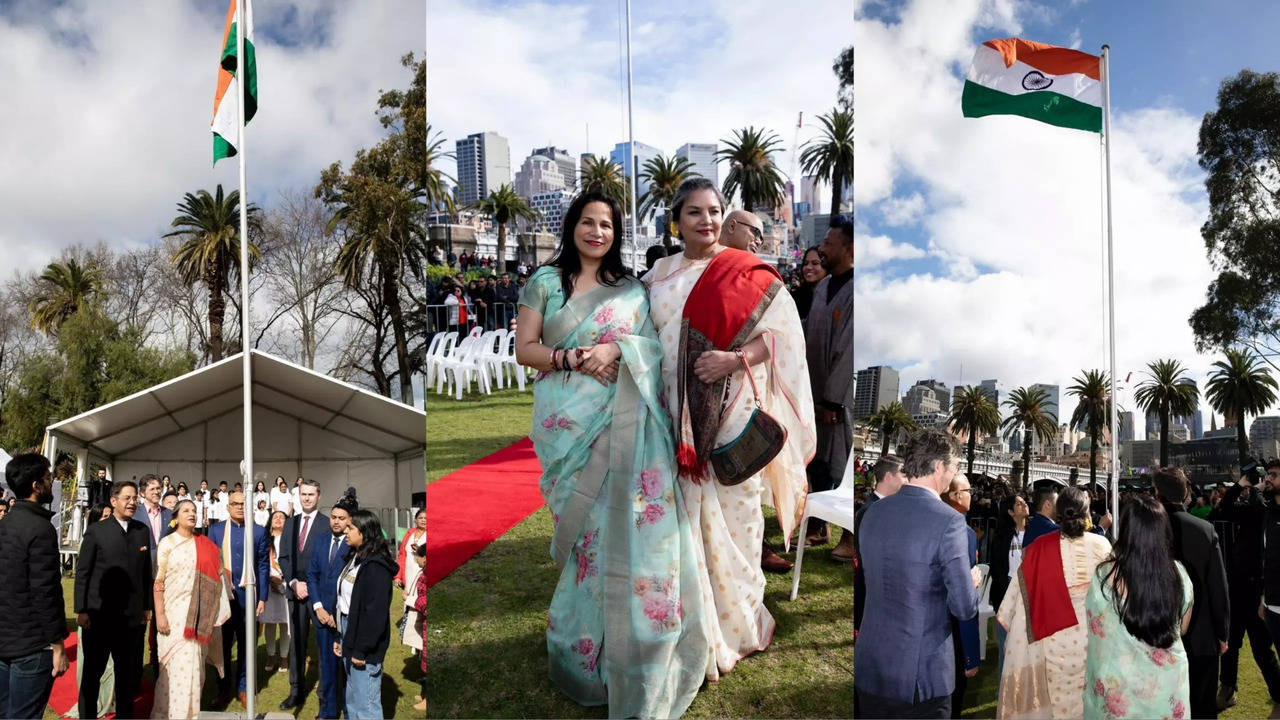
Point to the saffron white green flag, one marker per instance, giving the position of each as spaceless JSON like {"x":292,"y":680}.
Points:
{"x":1055,"y":85}
{"x":225,"y":121}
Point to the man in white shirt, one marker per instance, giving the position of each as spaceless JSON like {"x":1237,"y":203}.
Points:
{"x":301,"y":533}
{"x":281,"y":498}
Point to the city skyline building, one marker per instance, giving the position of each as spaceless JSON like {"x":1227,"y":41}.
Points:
{"x":552,"y":206}
{"x":920,"y":399}
{"x":1038,"y":446}
{"x":484,"y":164}
{"x":539,"y":174}
{"x":567,"y":163}
{"x":703,"y":158}
{"x":876,"y":387}
{"x":622,"y":155}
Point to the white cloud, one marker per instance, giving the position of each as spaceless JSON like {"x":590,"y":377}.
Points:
{"x":871,"y":251}
{"x":900,"y":211}
{"x":1014,"y":214}
{"x":108,"y":107}
{"x":700,"y":73}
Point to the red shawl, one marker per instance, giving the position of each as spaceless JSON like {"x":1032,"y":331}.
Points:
{"x":1044,"y":588}
{"x":720,"y":313}
{"x":202,"y":613}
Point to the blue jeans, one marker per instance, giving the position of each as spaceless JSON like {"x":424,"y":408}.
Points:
{"x":25,"y":684}
{"x":363,"y":697}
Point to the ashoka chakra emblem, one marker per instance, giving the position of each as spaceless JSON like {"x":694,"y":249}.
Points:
{"x":1035,"y":80}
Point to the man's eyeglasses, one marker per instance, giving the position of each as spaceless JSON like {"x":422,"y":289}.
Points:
{"x":754,"y":230}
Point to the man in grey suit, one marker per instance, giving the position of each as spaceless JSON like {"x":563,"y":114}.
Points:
{"x":914,"y":553}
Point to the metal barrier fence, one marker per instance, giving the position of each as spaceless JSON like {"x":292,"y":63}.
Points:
{"x":497,"y":316}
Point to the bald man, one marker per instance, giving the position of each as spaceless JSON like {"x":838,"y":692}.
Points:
{"x":964,"y":631}
{"x":742,"y":230}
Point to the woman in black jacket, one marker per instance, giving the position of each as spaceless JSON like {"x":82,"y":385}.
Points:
{"x":1006,"y":553}
{"x":364,"y":620}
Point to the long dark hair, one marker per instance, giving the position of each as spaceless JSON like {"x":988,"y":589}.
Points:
{"x":1142,"y":562}
{"x":372,"y":540}
{"x":567,"y":258}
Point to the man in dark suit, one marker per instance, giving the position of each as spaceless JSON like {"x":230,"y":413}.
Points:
{"x":229,"y":536}
{"x":300,"y":534}
{"x":889,"y":478}
{"x":322,"y":585}
{"x":156,"y":517}
{"x":959,"y":496}
{"x":113,"y":601}
{"x":915,"y":580}
{"x":1041,"y":521}
{"x":1195,"y":545}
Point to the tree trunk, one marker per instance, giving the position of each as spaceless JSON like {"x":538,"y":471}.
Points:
{"x":1164,"y":436}
{"x":217,"y":309}
{"x":666,"y":229}
{"x":1093,"y":454}
{"x":973,"y":441}
{"x":1242,"y":439}
{"x":884,"y":441}
{"x":836,"y":182}
{"x":391,"y":297}
{"x":1026,"y":456}
{"x":501,"y":264}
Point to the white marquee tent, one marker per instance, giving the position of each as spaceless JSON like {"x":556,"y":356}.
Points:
{"x":305,"y":424}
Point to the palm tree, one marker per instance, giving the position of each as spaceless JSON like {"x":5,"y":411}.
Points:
{"x":1029,"y":413}
{"x":891,"y":420}
{"x":751,"y":168}
{"x":664,"y":176}
{"x":1093,"y":390}
{"x":1169,"y":393}
{"x":438,"y":196}
{"x":973,"y":413}
{"x":830,"y":155}
{"x":1240,"y":386}
{"x":504,"y":206}
{"x":210,"y":254}
{"x":604,"y":176}
{"x":67,"y":287}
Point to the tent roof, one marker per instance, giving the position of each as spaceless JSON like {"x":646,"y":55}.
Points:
{"x":214,"y":390}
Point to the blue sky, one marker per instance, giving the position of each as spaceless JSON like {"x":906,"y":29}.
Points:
{"x":980,"y":239}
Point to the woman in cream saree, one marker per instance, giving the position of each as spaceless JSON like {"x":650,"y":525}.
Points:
{"x":705,"y":303}
{"x":626,"y":624}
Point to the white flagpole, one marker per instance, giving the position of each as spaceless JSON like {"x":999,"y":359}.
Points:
{"x":1111,"y":288}
{"x":248,"y":651}
{"x":631,"y":152}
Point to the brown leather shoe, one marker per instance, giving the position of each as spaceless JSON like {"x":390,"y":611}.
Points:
{"x":843,"y":551}
{"x":771,"y":561}
{"x":814,"y":539}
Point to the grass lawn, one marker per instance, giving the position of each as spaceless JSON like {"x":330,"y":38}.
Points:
{"x":401,"y":674}
{"x":1251,"y":697}
{"x":485,"y":640}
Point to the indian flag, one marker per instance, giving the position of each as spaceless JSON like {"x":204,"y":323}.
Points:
{"x":1055,"y":85}
{"x":225,"y":122}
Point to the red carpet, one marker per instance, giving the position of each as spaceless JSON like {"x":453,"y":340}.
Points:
{"x":472,"y":507}
{"x":65,"y":697}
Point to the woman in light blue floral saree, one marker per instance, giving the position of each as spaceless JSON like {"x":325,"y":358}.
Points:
{"x":627,"y":625}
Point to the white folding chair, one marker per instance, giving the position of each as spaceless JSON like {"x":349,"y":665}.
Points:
{"x":491,"y":355}
{"x":436,"y":342}
{"x":985,"y":613}
{"x":834,"y":506}
{"x":450,"y":354}
{"x":508,"y":361}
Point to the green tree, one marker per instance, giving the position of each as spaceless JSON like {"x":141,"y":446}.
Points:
{"x":1092,"y":390}
{"x":1240,"y":386}
{"x":603,"y":175}
{"x":379,"y":208}
{"x":830,"y":155}
{"x":93,"y":362}
{"x":437,"y":195}
{"x":1169,"y":393}
{"x":973,"y":413}
{"x":664,"y":176}
{"x":64,"y":289}
{"x":210,"y":253}
{"x":1029,"y":414}
{"x":1240,"y":153}
{"x":843,"y":68}
{"x":752,"y":171}
{"x":891,"y":420}
{"x":504,"y":206}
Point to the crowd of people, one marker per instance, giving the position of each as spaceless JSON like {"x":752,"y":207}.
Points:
{"x":644,"y":385}
{"x":149,"y":572}
{"x":1141,"y":618}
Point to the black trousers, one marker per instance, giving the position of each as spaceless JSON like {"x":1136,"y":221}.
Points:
{"x":1244,"y":619}
{"x":820,"y":479}
{"x":299,"y":632}
{"x":1203,"y":676}
{"x":123,"y":643}
{"x":867,"y":705}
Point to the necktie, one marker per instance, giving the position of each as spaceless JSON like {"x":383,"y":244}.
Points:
{"x":302,"y":539}
{"x":333,"y":548}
